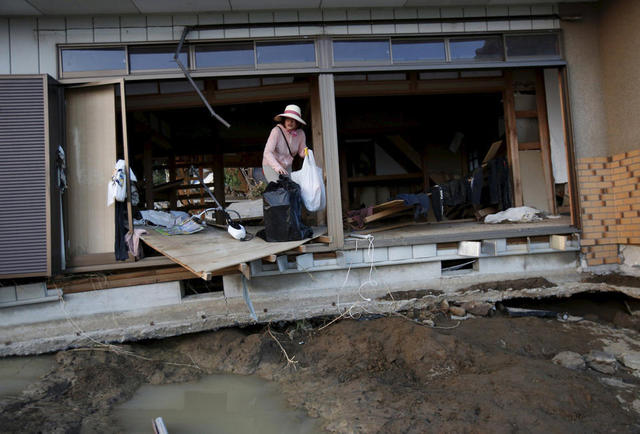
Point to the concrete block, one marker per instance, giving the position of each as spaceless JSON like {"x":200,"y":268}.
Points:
{"x":539,"y":24}
{"x":346,"y":257}
{"x":304,"y":262}
{"x":133,"y":34}
{"x":106,"y":21}
{"x":424,"y":250}
{"x":31,"y":290}
{"x":551,"y":261}
{"x":334,"y":14}
{"x":469,"y":248}
{"x":282,"y":262}
{"x":235,"y":17}
{"x":429,"y":13}
{"x":310,"y":15}
{"x":210,"y":18}
{"x":106,"y":35}
{"x":493,"y":26}
{"x":493,"y":247}
{"x":497,"y":11}
{"x":262,"y":32}
{"x":379,"y":254}
{"x":261,"y":17}
{"x":502,"y":264}
{"x":287,"y":31}
{"x":51,"y":23}
{"x":398,"y":253}
{"x":310,"y":30}
{"x":325,"y":262}
{"x":519,"y":10}
{"x":407,"y":28}
{"x":79,"y":35}
{"x":452,"y":27}
{"x":236,"y":33}
{"x":24,"y":45}
{"x":475,"y":26}
{"x":475,"y":11}
{"x":79,"y":22}
{"x":7,"y":294}
{"x":452,"y":12}
{"x":133,"y":21}
{"x":558,"y":242}
{"x":212,"y":34}
{"x":160,"y":33}
{"x":284,"y":16}
{"x":255,"y":266}
{"x":523,"y":24}
{"x":359,"y":29}
{"x":430,"y":27}
{"x":358,"y":14}
{"x":185,"y":20}
{"x":542,"y":9}
{"x":159,"y":21}
{"x":383,"y":28}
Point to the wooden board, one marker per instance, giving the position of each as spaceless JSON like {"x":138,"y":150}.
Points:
{"x":248,"y":209}
{"x":214,"y":249}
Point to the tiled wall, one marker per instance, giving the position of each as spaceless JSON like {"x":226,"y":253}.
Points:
{"x":610,"y":201}
{"x":28,"y":44}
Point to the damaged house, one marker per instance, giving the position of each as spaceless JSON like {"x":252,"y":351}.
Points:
{"x":425,"y":117}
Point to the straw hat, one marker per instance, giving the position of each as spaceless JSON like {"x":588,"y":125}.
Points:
{"x":291,"y":111}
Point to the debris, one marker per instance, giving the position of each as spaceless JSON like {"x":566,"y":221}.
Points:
{"x":519,"y":312}
{"x":444,"y":306}
{"x":469,"y":248}
{"x":601,"y":362}
{"x":428,"y":322}
{"x":570,"y":360}
{"x":460,"y":318}
{"x":478,"y":308}
{"x":520,"y":214}
{"x":616,"y":382}
{"x":457,"y":311}
{"x":631,"y":360}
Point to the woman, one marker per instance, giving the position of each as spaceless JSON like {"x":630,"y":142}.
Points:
{"x":285,"y":141}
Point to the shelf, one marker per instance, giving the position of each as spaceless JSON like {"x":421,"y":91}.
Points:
{"x":382,"y":178}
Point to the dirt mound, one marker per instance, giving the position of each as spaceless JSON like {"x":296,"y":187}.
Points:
{"x":382,"y":375}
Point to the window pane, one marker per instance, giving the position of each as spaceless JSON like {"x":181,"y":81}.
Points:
{"x":476,"y":49}
{"x":286,"y":52}
{"x":101,"y":59}
{"x":220,"y":55}
{"x":361,"y":51}
{"x":533,"y":45}
{"x":143,"y":58}
{"x":416,"y":51}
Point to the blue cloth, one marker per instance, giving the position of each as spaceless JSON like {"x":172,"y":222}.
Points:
{"x":421,"y":201}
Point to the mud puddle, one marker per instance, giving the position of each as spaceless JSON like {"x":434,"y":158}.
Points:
{"x":215,"y":404}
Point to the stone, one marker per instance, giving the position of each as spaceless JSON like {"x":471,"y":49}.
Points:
{"x":457,"y":311}
{"x":569,"y":359}
{"x":631,"y":360}
{"x":601,"y":362}
{"x":478,"y":308}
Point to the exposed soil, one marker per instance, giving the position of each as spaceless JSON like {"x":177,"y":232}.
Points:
{"x":614,"y":279}
{"x":510,"y":285}
{"x":387,"y":374}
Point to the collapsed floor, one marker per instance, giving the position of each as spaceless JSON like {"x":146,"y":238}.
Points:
{"x":413,"y":372}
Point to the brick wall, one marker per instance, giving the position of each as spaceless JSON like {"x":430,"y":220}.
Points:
{"x":610,"y":201}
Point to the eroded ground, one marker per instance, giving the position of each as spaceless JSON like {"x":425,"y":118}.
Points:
{"x":385,"y":374}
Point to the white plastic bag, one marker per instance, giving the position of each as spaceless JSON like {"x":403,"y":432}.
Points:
{"x":309,"y":178}
{"x":117,"y":189}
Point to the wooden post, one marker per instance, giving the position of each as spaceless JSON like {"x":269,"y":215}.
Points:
{"x":512,"y":137}
{"x":545,"y":147}
{"x":568,"y":137}
{"x":148,"y":174}
{"x":330,"y":141}
{"x":218,"y":182}
{"x":316,"y":137}
{"x":125,"y":145}
{"x":172,"y":178}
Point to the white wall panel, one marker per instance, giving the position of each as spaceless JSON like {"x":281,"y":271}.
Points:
{"x":133,"y":34}
{"x":160,"y":33}
{"x":106,"y":35}
{"x":24,"y":45}
{"x":51,"y":23}
{"x":48,"y":51}
{"x":79,"y":22}
{"x":133,"y":21}
{"x":262,"y":32}
{"x":210,"y":18}
{"x":5,"y":58}
{"x":106,"y":21}
{"x":79,"y":36}
{"x":159,"y":20}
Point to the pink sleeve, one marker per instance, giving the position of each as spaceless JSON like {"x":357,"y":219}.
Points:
{"x":270,"y":149}
{"x":303,"y":143}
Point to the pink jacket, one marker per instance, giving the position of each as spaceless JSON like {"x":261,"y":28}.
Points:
{"x":276,"y":154}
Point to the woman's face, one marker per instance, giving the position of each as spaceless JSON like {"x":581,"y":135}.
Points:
{"x":290,"y":124}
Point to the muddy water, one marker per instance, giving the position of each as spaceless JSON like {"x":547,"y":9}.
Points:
{"x":16,"y":373}
{"x":216,"y":404}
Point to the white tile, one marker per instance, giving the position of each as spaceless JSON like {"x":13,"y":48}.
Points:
{"x":262,"y":32}
{"x":235,"y":17}
{"x":452,"y":27}
{"x":430,"y":27}
{"x":236,"y":33}
{"x":106,"y":35}
{"x":287,"y":31}
{"x":24,"y":45}
{"x":520,"y":24}
{"x":451,"y":12}
{"x":542,"y":9}
{"x":285,"y":16}
{"x":398,"y":253}
{"x":51,"y":23}
{"x":159,"y":20}
{"x":212,"y":34}
{"x":429,"y":13}
{"x":211,"y":18}
{"x":48,"y":51}
{"x":133,"y":34}
{"x":79,"y":36}
{"x":310,"y":15}
{"x":185,"y":20}
{"x":475,"y":26}
{"x":407,"y":28}
{"x":358,"y":14}
{"x":106,"y":21}
{"x":261,"y":17}
{"x":497,"y":11}
{"x":133,"y":21}
{"x":337,"y":30}
{"x":359,"y":29}
{"x":475,"y":11}
{"x":159,"y":33}
{"x":537,"y":24}
{"x":79,"y":22}
{"x":519,"y":10}
{"x":493,"y":26}
{"x":405,"y":13}
{"x":382,"y":14}
{"x":5,"y":59}
{"x":383,"y":29}
{"x":334,"y":14}
{"x":311,"y":30}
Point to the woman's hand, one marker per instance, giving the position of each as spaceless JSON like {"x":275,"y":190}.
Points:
{"x":282,"y":171}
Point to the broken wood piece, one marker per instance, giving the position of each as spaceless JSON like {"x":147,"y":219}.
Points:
{"x":270,"y":258}
{"x":558,"y":242}
{"x":493,"y":150}
{"x":326,"y":239}
{"x":244,"y":269}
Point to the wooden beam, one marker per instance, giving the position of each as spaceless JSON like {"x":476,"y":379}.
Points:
{"x":526,"y":114}
{"x":316,"y":137}
{"x":218,"y":184}
{"x":125,"y":146}
{"x":330,"y":141}
{"x":245,"y":270}
{"x":406,"y":149}
{"x":545,"y":145}
{"x":326,"y":239}
{"x":568,"y":137}
{"x":147,"y":161}
{"x":529,"y":146}
{"x":270,"y":258}
{"x":379,"y":178}
{"x":512,"y":137}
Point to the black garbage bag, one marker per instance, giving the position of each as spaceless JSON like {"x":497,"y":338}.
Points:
{"x":282,"y":206}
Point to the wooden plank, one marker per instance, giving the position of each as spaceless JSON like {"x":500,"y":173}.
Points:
{"x":528,"y":146}
{"x":558,"y":242}
{"x":125,"y":146}
{"x":386,"y":205}
{"x":526,"y":114}
{"x":148,"y":262}
{"x":380,"y":178}
{"x":512,"y":137}
{"x":491,"y":153}
{"x":406,"y":149}
{"x":344,"y":184}
{"x":245,"y":270}
{"x":571,"y":159}
{"x":324,"y":239}
{"x":91,"y":155}
{"x":270,"y":258}
{"x":386,"y":213}
{"x":214,"y":249}
{"x":316,"y":137}
{"x":248,"y":209}
{"x":147,"y":161}
{"x":545,"y":145}
{"x":330,"y":141}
